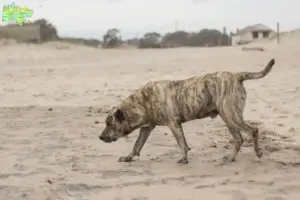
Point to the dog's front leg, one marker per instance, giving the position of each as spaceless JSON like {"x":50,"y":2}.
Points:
{"x":139,"y":143}
{"x":177,"y":131}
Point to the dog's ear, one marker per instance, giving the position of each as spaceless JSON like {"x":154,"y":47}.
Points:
{"x":120,"y":115}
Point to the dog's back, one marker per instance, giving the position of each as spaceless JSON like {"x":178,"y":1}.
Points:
{"x":179,"y":99}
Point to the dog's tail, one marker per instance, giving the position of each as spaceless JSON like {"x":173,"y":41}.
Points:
{"x":242,"y":76}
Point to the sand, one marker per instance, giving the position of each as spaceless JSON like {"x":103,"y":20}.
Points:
{"x":54,"y":98}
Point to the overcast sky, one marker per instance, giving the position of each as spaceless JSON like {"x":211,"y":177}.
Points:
{"x":90,"y":18}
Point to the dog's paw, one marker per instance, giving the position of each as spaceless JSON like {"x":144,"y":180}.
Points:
{"x":183,"y":161}
{"x":125,"y":159}
{"x":259,"y":153}
{"x":228,"y":158}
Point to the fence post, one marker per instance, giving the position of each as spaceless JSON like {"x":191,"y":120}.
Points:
{"x":224,"y":42}
{"x":278,"y":36}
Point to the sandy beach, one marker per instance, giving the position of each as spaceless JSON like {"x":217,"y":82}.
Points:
{"x":54,"y":99}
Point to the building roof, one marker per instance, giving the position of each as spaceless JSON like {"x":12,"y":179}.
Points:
{"x":255,"y":27}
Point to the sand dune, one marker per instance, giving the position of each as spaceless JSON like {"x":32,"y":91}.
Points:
{"x":54,"y":99}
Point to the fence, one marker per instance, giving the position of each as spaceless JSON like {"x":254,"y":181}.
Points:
{"x":29,"y":32}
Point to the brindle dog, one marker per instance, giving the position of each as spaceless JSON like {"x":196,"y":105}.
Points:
{"x":172,"y":103}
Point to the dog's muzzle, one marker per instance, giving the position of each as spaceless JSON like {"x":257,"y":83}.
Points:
{"x":108,"y":139}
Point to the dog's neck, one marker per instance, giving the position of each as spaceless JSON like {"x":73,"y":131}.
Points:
{"x":135,"y":114}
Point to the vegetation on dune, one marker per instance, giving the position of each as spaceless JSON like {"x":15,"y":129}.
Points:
{"x":112,"y":38}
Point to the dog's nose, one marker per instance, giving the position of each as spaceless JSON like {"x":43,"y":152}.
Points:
{"x":105,"y":139}
{"x":101,"y":138}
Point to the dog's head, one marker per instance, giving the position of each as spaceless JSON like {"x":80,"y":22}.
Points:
{"x":117,"y":125}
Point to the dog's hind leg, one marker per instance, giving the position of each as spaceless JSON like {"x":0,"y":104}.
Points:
{"x":143,"y":136}
{"x":238,"y":141}
{"x":233,"y":118}
{"x":231,"y":111}
{"x":177,"y":131}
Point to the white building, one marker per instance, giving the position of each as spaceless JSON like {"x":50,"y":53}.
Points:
{"x":252,"y":33}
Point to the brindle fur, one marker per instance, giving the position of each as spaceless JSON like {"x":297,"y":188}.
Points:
{"x":172,"y":103}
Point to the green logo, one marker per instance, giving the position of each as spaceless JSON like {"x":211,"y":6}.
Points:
{"x":14,"y":13}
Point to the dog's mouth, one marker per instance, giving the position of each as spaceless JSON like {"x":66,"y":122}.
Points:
{"x":108,"y":139}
